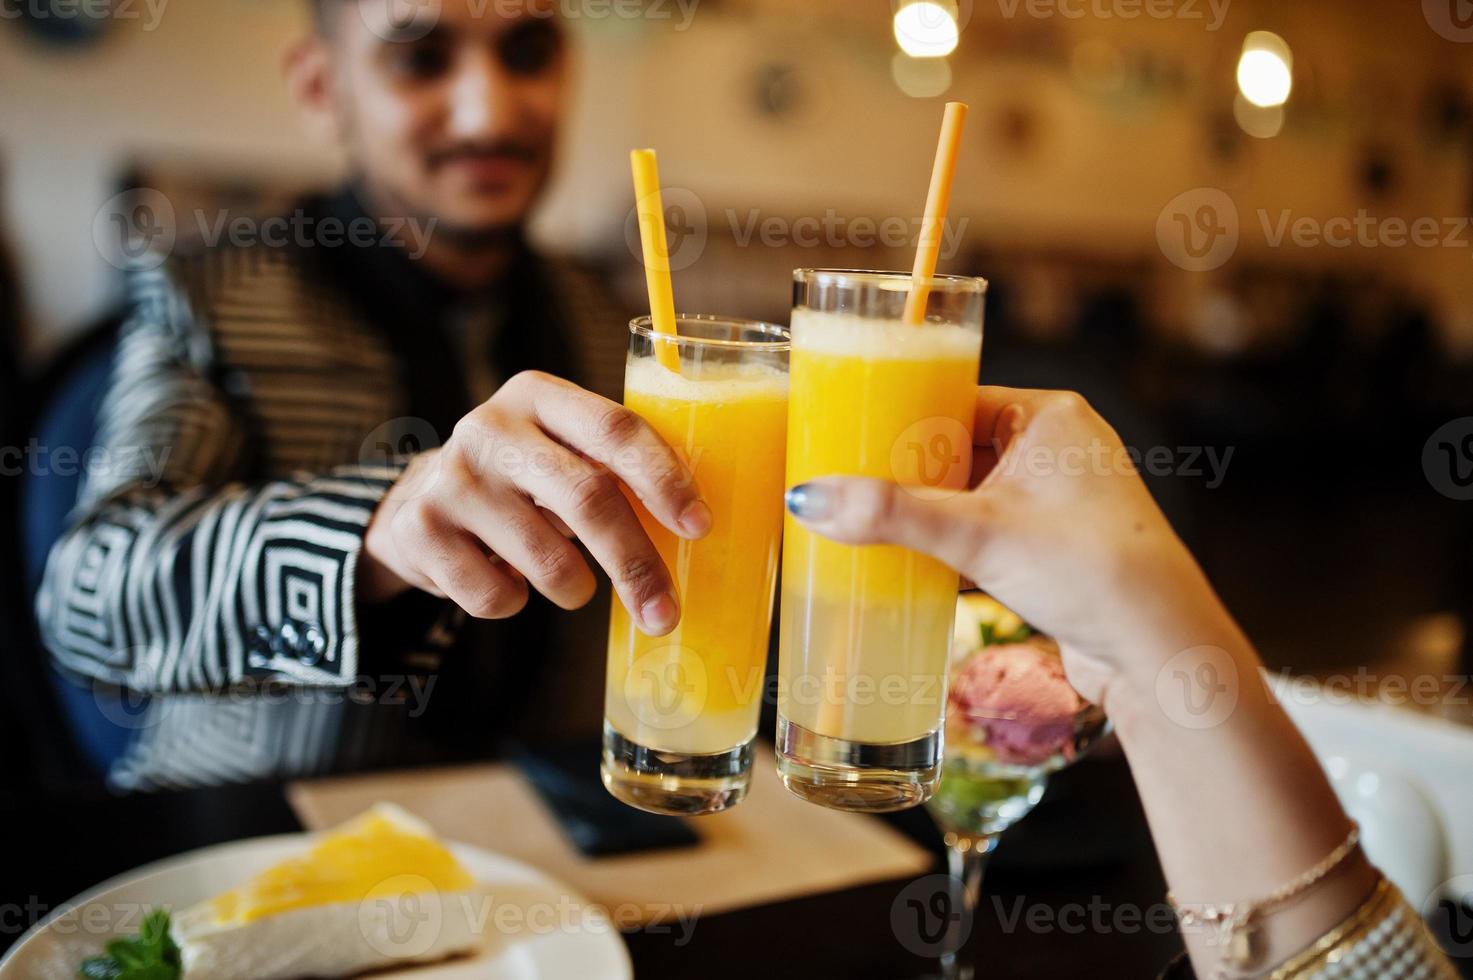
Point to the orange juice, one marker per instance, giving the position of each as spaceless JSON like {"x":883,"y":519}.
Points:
{"x":866,"y":631}
{"x":698,"y":690}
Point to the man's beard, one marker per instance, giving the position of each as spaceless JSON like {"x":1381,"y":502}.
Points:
{"x":471,"y":240}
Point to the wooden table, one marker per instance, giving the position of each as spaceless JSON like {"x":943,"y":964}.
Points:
{"x":1074,"y":890}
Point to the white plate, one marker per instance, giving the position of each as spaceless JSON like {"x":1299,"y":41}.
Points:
{"x":538,"y":928}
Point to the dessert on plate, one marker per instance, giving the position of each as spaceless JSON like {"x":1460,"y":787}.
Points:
{"x":378,"y":891}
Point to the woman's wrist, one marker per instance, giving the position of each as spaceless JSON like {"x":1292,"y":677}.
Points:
{"x":1168,"y":629}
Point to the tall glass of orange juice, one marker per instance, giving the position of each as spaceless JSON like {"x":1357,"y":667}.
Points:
{"x":866,"y":631}
{"x":680,"y":711}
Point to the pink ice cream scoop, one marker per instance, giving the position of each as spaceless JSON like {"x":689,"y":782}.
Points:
{"x":1017,"y":694}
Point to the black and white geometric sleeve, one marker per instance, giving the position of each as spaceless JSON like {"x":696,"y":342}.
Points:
{"x":175,"y":575}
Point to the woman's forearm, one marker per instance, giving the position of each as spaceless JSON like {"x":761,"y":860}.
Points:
{"x":1237,"y":804}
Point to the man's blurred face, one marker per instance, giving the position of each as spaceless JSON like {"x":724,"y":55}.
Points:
{"x":450,"y":109}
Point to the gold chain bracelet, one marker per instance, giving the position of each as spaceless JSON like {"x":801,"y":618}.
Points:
{"x":1236,"y":923}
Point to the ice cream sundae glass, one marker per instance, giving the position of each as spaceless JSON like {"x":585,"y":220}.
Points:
{"x":1012,"y":720}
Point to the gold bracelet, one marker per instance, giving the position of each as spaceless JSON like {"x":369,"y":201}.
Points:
{"x":1236,"y":923}
{"x":1385,"y":937}
{"x":1382,"y":899}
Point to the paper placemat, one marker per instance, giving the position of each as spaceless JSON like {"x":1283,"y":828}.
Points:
{"x":772,"y":846}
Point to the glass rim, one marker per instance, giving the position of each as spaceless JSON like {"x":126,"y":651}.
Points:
{"x":946,"y":282}
{"x":643,"y":326}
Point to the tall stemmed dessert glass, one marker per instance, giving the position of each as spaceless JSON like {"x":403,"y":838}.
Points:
{"x":1013,"y":719}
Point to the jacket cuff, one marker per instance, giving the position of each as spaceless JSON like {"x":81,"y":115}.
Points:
{"x":306,"y":628}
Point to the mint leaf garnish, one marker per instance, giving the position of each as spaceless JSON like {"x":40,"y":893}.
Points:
{"x":150,"y":955}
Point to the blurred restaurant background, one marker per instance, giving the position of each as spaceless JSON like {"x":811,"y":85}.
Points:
{"x":1234,"y":284}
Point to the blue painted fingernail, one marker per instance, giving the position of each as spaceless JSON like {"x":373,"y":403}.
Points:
{"x":809,"y":501}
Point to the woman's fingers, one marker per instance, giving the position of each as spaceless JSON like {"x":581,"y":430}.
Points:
{"x":1002,"y":413}
{"x":855,"y":510}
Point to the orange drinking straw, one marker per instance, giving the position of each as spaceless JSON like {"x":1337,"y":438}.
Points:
{"x":656,"y":253}
{"x":933,"y":220}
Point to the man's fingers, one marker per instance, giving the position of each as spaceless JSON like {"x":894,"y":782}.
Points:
{"x":863,"y":511}
{"x":518,"y":532}
{"x":619,"y":439}
{"x":556,"y":521}
{"x":604,"y":520}
{"x":464,"y":572}
{"x":588,"y":500}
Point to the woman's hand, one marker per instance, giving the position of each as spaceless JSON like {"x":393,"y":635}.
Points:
{"x":1058,"y":526}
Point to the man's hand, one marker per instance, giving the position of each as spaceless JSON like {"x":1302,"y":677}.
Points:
{"x":492,"y":510}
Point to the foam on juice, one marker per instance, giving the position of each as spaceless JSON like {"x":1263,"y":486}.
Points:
{"x":715,"y":383}
{"x":867,"y":338}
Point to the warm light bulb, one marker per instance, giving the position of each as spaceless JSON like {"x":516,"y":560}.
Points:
{"x":1265,"y":72}
{"x":926,"y":30}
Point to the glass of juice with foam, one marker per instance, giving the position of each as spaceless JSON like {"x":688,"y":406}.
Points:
{"x":866,"y":630}
{"x":680,"y":711}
